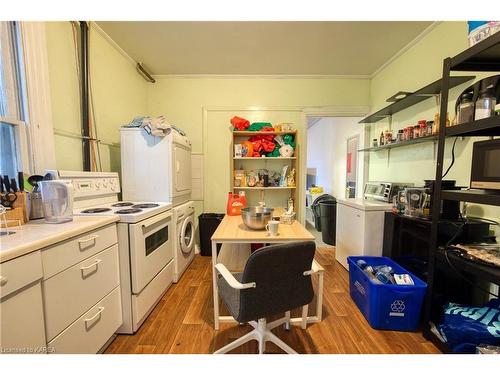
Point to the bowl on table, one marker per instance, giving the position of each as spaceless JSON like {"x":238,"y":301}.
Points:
{"x":256,"y":217}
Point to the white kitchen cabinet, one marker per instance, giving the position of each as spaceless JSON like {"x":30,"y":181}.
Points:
{"x":60,"y":256}
{"x":71,"y":292}
{"x":360,"y":228}
{"x":89,"y":332}
{"x":64,"y":297}
{"x":22,"y":327}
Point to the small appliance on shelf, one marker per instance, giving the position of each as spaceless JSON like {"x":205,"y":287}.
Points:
{"x":485,"y":171}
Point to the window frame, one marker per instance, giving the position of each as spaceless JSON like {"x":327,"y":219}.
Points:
{"x":38,"y":97}
{"x":23,"y":147}
{"x":34,"y":134}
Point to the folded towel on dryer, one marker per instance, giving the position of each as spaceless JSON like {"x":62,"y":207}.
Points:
{"x":157,"y":126}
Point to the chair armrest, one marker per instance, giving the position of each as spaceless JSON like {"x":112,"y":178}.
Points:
{"x":231,"y":280}
{"x":315,"y":268}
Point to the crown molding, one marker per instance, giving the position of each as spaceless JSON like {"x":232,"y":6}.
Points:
{"x":413,"y":42}
{"x":110,"y":40}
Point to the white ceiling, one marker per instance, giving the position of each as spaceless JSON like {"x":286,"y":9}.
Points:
{"x":330,"y":48}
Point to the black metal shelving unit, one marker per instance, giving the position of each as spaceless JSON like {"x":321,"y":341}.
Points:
{"x":415,"y":141}
{"x":416,"y":97}
{"x":483,"y":57}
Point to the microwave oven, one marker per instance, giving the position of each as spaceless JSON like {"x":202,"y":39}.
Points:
{"x":383,"y":191}
{"x":485,"y":172}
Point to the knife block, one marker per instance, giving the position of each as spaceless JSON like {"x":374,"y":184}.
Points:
{"x":14,"y":217}
{"x":18,"y":215}
{"x":22,"y":202}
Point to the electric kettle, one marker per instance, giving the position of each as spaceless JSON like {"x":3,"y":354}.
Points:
{"x":57,"y":199}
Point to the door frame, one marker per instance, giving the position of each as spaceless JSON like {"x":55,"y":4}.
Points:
{"x":335,"y":111}
{"x":306,"y":112}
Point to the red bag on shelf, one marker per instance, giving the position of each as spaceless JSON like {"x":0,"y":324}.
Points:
{"x":262,"y":143}
{"x":240,"y":123}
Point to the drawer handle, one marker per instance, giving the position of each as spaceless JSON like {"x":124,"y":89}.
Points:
{"x":3,"y":280}
{"x":92,"y":238}
{"x":89,"y":323}
{"x":97,"y":261}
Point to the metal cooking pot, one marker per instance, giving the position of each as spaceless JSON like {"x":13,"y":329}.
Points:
{"x":256,"y":217}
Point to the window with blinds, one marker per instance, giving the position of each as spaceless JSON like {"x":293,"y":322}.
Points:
{"x":13,"y":113}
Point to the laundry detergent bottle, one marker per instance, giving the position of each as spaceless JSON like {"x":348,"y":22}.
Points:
{"x":234,"y":204}
{"x":243,"y":199}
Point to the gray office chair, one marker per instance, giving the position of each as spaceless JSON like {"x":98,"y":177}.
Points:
{"x":276,"y":279}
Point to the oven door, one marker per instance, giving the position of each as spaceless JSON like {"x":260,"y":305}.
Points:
{"x":151,"y":249}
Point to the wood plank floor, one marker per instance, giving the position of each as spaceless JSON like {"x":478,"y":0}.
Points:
{"x":182,"y":322}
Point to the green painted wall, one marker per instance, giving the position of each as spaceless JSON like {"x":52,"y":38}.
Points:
{"x":418,"y":66}
{"x":120,"y":93}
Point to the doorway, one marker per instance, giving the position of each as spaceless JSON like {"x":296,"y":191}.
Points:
{"x":333,"y":166}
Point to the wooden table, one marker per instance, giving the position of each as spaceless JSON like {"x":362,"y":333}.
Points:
{"x":231,"y":230}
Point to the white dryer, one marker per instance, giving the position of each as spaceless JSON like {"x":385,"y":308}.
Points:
{"x":184,"y":238}
{"x":155,"y":168}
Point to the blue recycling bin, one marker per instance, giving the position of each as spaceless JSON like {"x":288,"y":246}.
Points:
{"x":386,"y":306}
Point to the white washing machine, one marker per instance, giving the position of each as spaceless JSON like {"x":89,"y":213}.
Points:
{"x":184,"y":238}
{"x":155,"y":168}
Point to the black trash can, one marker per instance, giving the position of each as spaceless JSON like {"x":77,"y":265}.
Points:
{"x":316,"y":211}
{"x":328,"y":214}
{"x":208,"y":223}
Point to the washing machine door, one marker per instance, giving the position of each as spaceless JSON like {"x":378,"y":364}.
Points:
{"x":186,"y":235}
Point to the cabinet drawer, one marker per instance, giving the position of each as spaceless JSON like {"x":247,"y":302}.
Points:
{"x":21,"y":322}
{"x":19,"y":272}
{"x":70,"y":293}
{"x":93,"y":329}
{"x":67,"y":253}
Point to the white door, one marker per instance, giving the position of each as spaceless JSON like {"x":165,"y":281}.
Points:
{"x":186,"y":236}
{"x":182,"y":169}
{"x":150,"y":248}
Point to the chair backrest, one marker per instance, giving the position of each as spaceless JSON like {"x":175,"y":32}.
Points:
{"x":278,"y":271}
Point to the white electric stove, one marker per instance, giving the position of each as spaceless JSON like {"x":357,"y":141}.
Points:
{"x":145,"y":232}
{"x":129,"y":212}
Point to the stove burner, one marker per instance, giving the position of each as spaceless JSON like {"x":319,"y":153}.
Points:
{"x":128,"y":211}
{"x":122,"y":204}
{"x":96,"y":210}
{"x":145,"y":205}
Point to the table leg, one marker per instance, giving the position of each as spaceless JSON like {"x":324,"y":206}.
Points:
{"x":319,"y":306}
{"x":303,"y":323}
{"x":214,"y":286}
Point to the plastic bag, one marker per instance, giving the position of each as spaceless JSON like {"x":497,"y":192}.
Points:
{"x":262,"y":144}
{"x":261,"y":127}
{"x":239,"y":123}
{"x":465,"y":327}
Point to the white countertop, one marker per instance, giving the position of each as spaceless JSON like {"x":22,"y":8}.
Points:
{"x":364,"y":204}
{"x":38,"y":234}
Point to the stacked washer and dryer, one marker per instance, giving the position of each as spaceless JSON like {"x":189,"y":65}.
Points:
{"x":159,"y":169}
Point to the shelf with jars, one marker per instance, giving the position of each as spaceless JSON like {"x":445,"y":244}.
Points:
{"x":264,"y":162}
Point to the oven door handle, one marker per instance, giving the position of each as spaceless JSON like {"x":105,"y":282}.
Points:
{"x":156,"y":220}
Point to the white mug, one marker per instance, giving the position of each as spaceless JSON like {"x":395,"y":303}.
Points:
{"x":272,"y":227}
